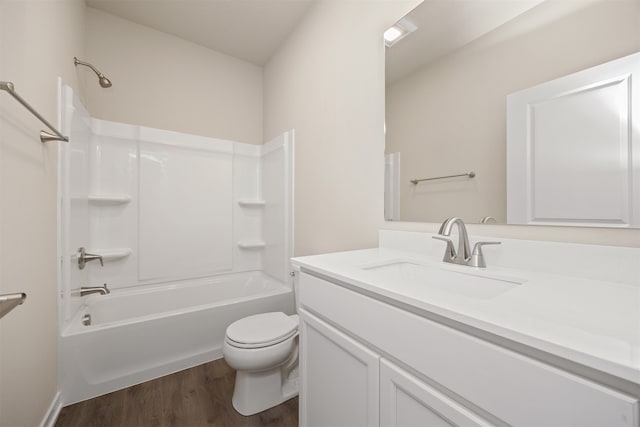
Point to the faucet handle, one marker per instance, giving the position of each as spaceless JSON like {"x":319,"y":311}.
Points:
{"x":450,"y":252}
{"x":84,"y":257}
{"x":477,"y":256}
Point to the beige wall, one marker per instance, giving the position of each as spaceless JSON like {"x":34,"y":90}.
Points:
{"x":327,"y":82}
{"x":450,"y":116}
{"x":165,"y":82}
{"x":38,"y":40}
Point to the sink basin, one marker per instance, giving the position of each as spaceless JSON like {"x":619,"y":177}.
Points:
{"x":450,"y":280}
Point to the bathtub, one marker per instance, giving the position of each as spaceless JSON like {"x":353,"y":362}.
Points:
{"x":144,"y":333}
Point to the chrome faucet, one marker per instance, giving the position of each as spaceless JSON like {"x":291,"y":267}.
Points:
{"x":87,"y":290}
{"x":462,"y":255}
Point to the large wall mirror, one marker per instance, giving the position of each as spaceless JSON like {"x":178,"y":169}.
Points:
{"x":447,"y":84}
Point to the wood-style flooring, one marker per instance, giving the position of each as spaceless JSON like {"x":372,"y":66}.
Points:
{"x":200,"y":396}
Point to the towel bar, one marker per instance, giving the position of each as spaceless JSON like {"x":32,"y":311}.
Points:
{"x":44,"y":135}
{"x":9,"y":301}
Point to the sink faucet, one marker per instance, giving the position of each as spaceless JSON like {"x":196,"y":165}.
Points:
{"x":87,"y":290}
{"x":462,"y":255}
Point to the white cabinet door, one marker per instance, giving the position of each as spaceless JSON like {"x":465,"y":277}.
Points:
{"x":339,"y":378}
{"x":406,"y":401}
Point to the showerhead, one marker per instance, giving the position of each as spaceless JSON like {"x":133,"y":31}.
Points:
{"x":104,"y":82}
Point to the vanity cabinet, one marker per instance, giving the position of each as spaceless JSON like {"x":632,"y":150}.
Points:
{"x":347,"y":384}
{"x":430,"y":373}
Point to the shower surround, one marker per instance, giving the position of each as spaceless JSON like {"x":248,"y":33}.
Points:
{"x":194,"y":233}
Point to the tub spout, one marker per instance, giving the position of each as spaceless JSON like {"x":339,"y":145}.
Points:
{"x":87,"y":290}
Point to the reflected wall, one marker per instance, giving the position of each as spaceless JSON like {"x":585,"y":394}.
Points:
{"x":449,"y":117}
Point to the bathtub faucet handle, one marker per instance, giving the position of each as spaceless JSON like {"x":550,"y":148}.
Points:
{"x":84,"y":258}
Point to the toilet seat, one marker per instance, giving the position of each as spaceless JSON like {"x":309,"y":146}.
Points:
{"x":261,"y":330}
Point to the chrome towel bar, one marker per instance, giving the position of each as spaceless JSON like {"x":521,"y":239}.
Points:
{"x":9,"y":301}
{"x":44,"y":135}
{"x":468,"y":175}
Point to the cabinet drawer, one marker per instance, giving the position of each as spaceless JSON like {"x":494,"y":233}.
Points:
{"x":517,"y":389}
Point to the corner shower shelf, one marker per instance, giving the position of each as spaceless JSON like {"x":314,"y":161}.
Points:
{"x":112,"y":254}
{"x":109,"y":199}
{"x":251,"y":244}
{"x":251,"y":203}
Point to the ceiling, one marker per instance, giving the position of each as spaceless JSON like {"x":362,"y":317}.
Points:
{"x":445,"y":26}
{"x":251,"y":30}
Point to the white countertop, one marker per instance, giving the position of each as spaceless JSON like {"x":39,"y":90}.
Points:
{"x":591,"y":322}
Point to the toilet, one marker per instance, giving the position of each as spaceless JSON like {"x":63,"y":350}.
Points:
{"x":263,"y":349}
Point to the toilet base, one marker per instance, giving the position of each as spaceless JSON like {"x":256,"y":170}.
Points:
{"x":258,"y":391}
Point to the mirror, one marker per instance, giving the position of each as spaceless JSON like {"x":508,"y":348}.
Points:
{"x":447,"y":84}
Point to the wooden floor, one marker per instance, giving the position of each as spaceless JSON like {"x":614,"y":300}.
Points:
{"x":199,"y":396}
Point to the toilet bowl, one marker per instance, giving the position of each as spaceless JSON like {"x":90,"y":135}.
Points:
{"x":263,"y":349}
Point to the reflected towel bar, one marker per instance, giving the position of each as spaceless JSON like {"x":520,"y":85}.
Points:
{"x":9,"y":301}
{"x":468,"y":174}
{"x":44,"y":135}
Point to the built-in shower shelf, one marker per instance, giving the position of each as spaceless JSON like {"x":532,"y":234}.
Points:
{"x":111,"y":254}
{"x":251,"y":244}
{"x":251,"y":203}
{"x":109,"y":199}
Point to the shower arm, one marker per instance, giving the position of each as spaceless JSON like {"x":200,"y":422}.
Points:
{"x":77,"y":62}
{"x":102,"y":79}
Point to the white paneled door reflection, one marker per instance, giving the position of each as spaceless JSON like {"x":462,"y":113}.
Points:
{"x":573,"y":149}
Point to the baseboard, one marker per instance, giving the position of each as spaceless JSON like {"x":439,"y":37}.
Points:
{"x":51,"y":416}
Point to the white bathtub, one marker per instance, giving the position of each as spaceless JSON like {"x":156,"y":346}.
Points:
{"x":144,"y":333}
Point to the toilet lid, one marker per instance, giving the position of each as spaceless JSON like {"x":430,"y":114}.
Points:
{"x":261,"y":329}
